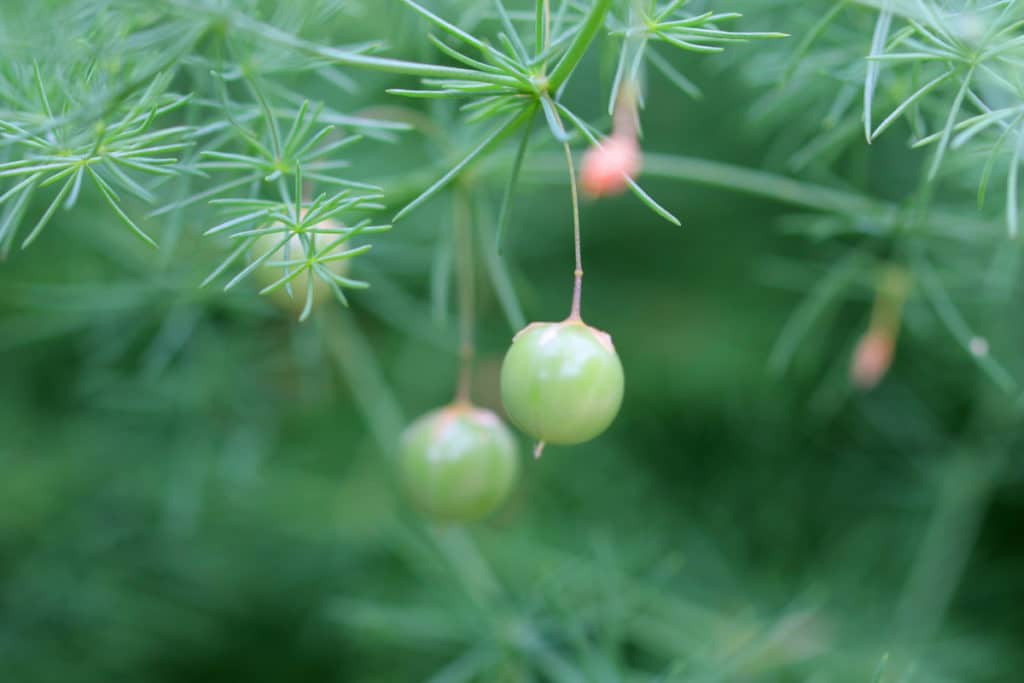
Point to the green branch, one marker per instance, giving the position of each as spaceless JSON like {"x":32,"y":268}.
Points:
{"x":762,"y":183}
{"x":572,"y":56}
{"x":351,"y":58}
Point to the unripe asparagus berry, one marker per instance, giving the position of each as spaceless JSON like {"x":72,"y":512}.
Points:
{"x":267,"y":275}
{"x":562,"y":383}
{"x":458,"y":463}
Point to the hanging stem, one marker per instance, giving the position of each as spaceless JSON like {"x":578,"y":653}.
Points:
{"x":625,"y":118}
{"x":889,"y":300}
{"x":577,"y":287}
{"x":574,"y":53}
{"x":465,"y":273}
{"x":547,"y":24}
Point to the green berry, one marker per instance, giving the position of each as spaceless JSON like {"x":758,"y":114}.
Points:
{"x":562,"y":383}
{"x":458,"y":463}
{"x":267,"y":275}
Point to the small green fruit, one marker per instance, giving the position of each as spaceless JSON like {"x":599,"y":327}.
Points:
{"x":562,"y":383}
{"x":267,"y":275}
{"x":458,"y":463}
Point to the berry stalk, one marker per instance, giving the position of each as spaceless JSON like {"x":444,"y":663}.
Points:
{"x":465,"y":273}
{"x":577,"y":287}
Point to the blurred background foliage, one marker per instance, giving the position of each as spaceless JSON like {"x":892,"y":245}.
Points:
{"x":195,"y":487}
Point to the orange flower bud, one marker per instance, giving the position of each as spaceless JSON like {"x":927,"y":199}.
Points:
{"x":872,"y":358}
{"x":608,"y":166}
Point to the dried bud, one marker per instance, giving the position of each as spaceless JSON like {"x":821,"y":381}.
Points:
{"x":872,"y":358}
{"x":608,"y":166}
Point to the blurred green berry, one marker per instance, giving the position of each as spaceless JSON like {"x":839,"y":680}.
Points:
{"x":458,"y":463}
{"x":295,"y":249}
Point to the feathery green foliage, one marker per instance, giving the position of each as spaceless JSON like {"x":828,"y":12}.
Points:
{"x":198,"y":485}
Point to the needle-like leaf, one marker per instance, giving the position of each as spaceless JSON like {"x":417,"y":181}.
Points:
{"x":499,"y":133}
{"x":513,"y":181}
{"x":878,"y":41}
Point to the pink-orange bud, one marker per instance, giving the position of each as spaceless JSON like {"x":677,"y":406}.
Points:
{"x":608,"y":166}
{"x":872,"y":358}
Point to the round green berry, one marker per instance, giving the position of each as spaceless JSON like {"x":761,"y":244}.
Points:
{"x":296,"y":249}
{"x":562,"y":383}
{"x":458,"y":463}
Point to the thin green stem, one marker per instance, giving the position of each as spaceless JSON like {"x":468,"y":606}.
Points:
{"x":353,"y":353}
{"x":508,"y":127}
{"x":513,"y":180}
{"x":763,"y":183}
{"x":538,"y":26}
{"x":348,"y":58}
{"x":887,"y":310}
{"x":577,"y":287}
{"x":547,"y":24}
{"x":465,"y":270}
{"x":572,"y":56}
{"x":964,"y":492}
